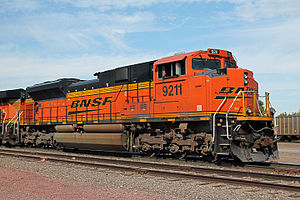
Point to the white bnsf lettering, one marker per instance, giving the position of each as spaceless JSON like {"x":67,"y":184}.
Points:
{"x":90,"y":102}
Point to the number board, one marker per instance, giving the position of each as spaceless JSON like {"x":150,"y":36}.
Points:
{"x":172,"y":90}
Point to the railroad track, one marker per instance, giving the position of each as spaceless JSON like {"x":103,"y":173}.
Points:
{"x":280,"y":168}
{"x":286,"y":168}
{"x":292,"y":169}
{"x":257,"y":179}
{"x":270,"y":167}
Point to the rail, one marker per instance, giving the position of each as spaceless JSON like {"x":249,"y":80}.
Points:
{"x":255,"y":107}
{"x":227,"y":125}
{"x":3,"y":123}
{"x":66,"y":113}
{"x":63,"y":114}
{"x":214,"y":118}
{"x":11,"y":121}
{"x":268,"y":109}
{"x":18,"y":127}
{"x":275,"y":129}
{"x":258,"y":107}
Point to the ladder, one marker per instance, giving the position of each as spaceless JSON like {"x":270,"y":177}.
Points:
{"x":13,"y":122}
{"x":3,"y":123}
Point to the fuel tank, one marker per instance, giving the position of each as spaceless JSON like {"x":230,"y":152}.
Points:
{"x":103,"y":128}
{"x":95,"y":137}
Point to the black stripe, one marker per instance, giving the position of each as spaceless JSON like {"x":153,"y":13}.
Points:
{"x":81,"y":111}
{"x":231,"y":97}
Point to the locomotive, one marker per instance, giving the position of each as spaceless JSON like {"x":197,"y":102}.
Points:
{"x":197,"y":103}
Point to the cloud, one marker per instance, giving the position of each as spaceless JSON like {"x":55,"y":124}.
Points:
{"x":269,"y":48}
{"x":119,"y":4}
{"x":250,"y":10}
{"x":100,"y":5}
{"x":74,"y":32}
{"x":19,"y":71}
{"x":107,"y":4}
{"x":18,"y":5}
{"x":254,"y":10}
{"x":247,"y":9}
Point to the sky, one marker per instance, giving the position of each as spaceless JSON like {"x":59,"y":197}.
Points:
{"x":43,"y":40}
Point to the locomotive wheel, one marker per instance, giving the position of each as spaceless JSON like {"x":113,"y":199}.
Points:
{"x":210,"y":158}
{"x":180,"y":155}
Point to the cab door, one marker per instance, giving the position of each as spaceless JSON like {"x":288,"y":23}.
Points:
{"x":170,"y":87}
{"x":29,"y":112}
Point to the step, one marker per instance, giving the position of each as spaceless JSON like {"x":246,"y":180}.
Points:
{"x":224,"y":144}
{"x":224,"y":153}
{"x":224,"y":135}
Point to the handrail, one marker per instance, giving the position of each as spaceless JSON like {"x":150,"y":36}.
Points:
{"x":17,"y":121}
{"x":275,"y":129}
{"x":3,"y":123}
{"x":268,"y":111}
{"x":11,"y":121}
{"x":227,"y":126}
{"x":214,"y":118}
{"x":18,"y":126}
{"x":257,"y":103}
{"x":14,"y":130}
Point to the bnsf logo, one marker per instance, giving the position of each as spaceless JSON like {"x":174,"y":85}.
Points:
{"x":229,"y":90}
{"x":90,"y":102}
{"x":232,"y":90}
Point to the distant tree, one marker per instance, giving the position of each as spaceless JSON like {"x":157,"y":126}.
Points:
{"x":261,"y":107}
{"x":289,"y":114}
{"x":295,"y":113}
{"x":283,"y":114}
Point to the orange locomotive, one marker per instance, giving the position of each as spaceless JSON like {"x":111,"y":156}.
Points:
{"x":197,"y":103}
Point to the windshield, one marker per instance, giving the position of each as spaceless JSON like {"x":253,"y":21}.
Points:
{"x":205,"y":64}
{"x":230,"y":64}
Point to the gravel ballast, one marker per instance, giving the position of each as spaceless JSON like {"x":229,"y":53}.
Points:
{"x":289,"y":152}
{"x":29,"y":179}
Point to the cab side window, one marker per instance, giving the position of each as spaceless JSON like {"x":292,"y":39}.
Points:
{"x":171,"y":70}
{"x":206,"y":64}
{"x":160,"y":71}
{"x":181,"y":67}
{"x":229,"y":64}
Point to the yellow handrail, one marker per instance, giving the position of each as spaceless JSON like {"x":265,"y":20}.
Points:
{"x":268,"y":111}
{"x":254,"y":101}
{"x":255,"y":94}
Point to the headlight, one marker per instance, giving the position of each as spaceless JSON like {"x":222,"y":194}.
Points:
{"x":248,"y":111}
{"x":245,"y":78}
